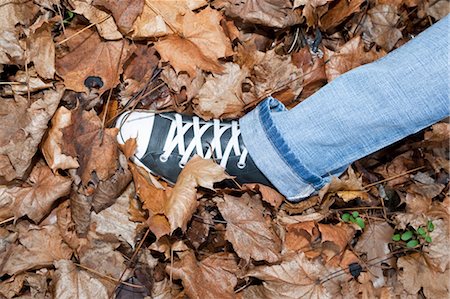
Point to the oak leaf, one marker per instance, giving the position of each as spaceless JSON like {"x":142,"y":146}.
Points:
{"x":347,"y":57}
{"x":212,"y":277}
{"x":381,"y":26}
{"x":23,"y":125}
{"x":271,"y":13}
{"x":73,"y":283}
{"x":90,"y":56}
{"x":182,"y":202}
{"x":202,"y":43}
{"x":38,"y":247}
{"x":248,"y":231}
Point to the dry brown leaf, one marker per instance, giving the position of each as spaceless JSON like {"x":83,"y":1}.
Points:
{"x":399,"y":165}
{"x":212,"y":277}
{"x":381,"y":26}
{"x":415,"y":274}
{"x":90,"y":56}
{"x":96,"y":148}
{"x":104,"y":23}
{"x":313,"y":10}
{"x":11,"y":287}
{"x":202,"y":43}
{"x":23,"y":126}
{"x":198,"y":231}
{"x":164,"y":289}
{"x":182,"y":202}
{"x":11,"y":51}
{"x":294,"y":277}
{"x":221,"y":95}
{"x":66,"y":227}
{"x":438,"y":9}
{"x":268,"y":194}
{"x":178,"y":82}
{"x":375,"y":243}
{"x":39,"y":247}
{"x":334,"y":239}
{"x":347,"y":57}
{"x":437,"y":251}
{"x":114,"y":220}
{"x":350,"y":183}
{"x":35,"y":83}
{"x":313,"y":68}
{"x":73,"y":283}
{"x":299,"y":236}
{"x":36,"y":197}
{"x":339,"y":13}
{"x":160,"y":18}
{"x":42,"y":50}
{"x":124,"y":12}
{"x":250,"y":233}
{"x":271,"y":13}
{"x":419,"y":196}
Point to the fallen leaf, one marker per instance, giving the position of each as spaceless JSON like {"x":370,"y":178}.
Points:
{"x":179,"y":82}
{"x":212,"y":277}
{"x":299,"y":236}
{"x":33,"y":251}
{"x":375,"y":243}
{"x":381,"y":26}
{"x":66,"y":227}
{"x":11,"y":51}
{"x":350,"y":183}
{"x":294,"y":277}
{"x":198,"y":231}
{"x":398,"y":166}
{"x":339,"y":13}
{"x":114,"y":220}
{"x":438,"y":9}
{"x":268,"y":194}
{"x":313,"y":68}
{"x":11,"y":287}
{"x":164,"y":289}
{"x":71,"y":282}
{"x":23,"y":126}
{"x":36,"y":197}
{"x":182,"y":202}
{"x":95,"y":148}
{"x":334,"y":239}
{"x":419,"y":196}
{"x":35,"y":83}
{"x":104,"y":23}
{"x":89,"y":56}
{"x":313,"y":10}
{"x":437,"y":250}
{"x":271,"y":13}
{"x":124,"y":13}
{"x":202,"y":43}
{"x":415,"y":274}
{"x":248,"y":231}
{"x":347,"y":57}
{"x":221,"y":95}
{"x":42,"y":50}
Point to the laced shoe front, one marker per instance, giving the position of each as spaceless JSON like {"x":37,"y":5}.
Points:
{"x":166,"y":142}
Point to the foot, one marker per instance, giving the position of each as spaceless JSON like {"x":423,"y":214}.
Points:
{"x":166,"y":142}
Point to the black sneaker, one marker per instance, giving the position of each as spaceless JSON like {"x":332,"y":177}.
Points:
{"x":166,"y":141}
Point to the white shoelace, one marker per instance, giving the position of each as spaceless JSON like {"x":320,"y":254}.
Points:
{"x":175,"y":138}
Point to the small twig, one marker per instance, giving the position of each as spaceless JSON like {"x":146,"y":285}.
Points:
{"x":108,"y":277}
{"x":358,"y":208}
{"x":7,"y":220}
{"x":82,"y":30}
{"x":393,"y":177}
{"x":62,"y":19}
{"x":12,"y":83}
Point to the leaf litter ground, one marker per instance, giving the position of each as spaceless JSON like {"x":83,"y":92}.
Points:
{"x":79,"y":220}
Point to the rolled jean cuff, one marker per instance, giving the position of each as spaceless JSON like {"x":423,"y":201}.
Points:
{"x":273,"y":156}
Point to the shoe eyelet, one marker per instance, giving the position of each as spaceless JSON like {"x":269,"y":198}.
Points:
{"x":181,"y":165}
{"x":163,"y":159}
{"x":241,"y":165}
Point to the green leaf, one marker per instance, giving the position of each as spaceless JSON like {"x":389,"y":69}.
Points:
{"x":355,"y":214}
{"x":412,"y":243}
{"x":407,"y":235}
{"x":428,"y":239}
{"x":396,"y":237}
{"x":352,"y":220}
{"x":345,"y":217}
{"x":430,"y":226}
{"x":421,"y":231}
{"x":360,"y":222}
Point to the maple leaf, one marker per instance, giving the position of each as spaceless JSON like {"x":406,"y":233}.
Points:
{"x":247,"y":229}
{"x":347,"y":57}
{"x":90,"y":56}
{"x":71,"y":282}
{"x":294,"y":277}
{"x":212,"y":277}
{"x":202,"y":43}
{"x":39,"y":247}
{"x":221,"y":95}
{"x":23,"y":125}
{"x":182,"y":202}
{"x":272,"y":13}
{"x":105,"y":25}
{"x":124,"y":13}
{"x":375,"y":243}
{"x":380,"y":26}
{"x":415,"y":274}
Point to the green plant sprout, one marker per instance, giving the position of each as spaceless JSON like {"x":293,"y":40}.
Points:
{"x":353,"y":218}
{"x":412,"y":237}
{"x":70,"y":15}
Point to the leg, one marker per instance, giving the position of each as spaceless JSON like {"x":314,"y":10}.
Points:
{"x":357,"y":114}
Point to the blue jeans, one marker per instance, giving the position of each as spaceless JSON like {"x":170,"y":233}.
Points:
{"x":356,"y":114}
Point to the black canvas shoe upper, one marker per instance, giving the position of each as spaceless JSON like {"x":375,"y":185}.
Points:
{"x":166,"y":141}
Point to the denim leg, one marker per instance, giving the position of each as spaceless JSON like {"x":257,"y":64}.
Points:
{"x":356,"y":114}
